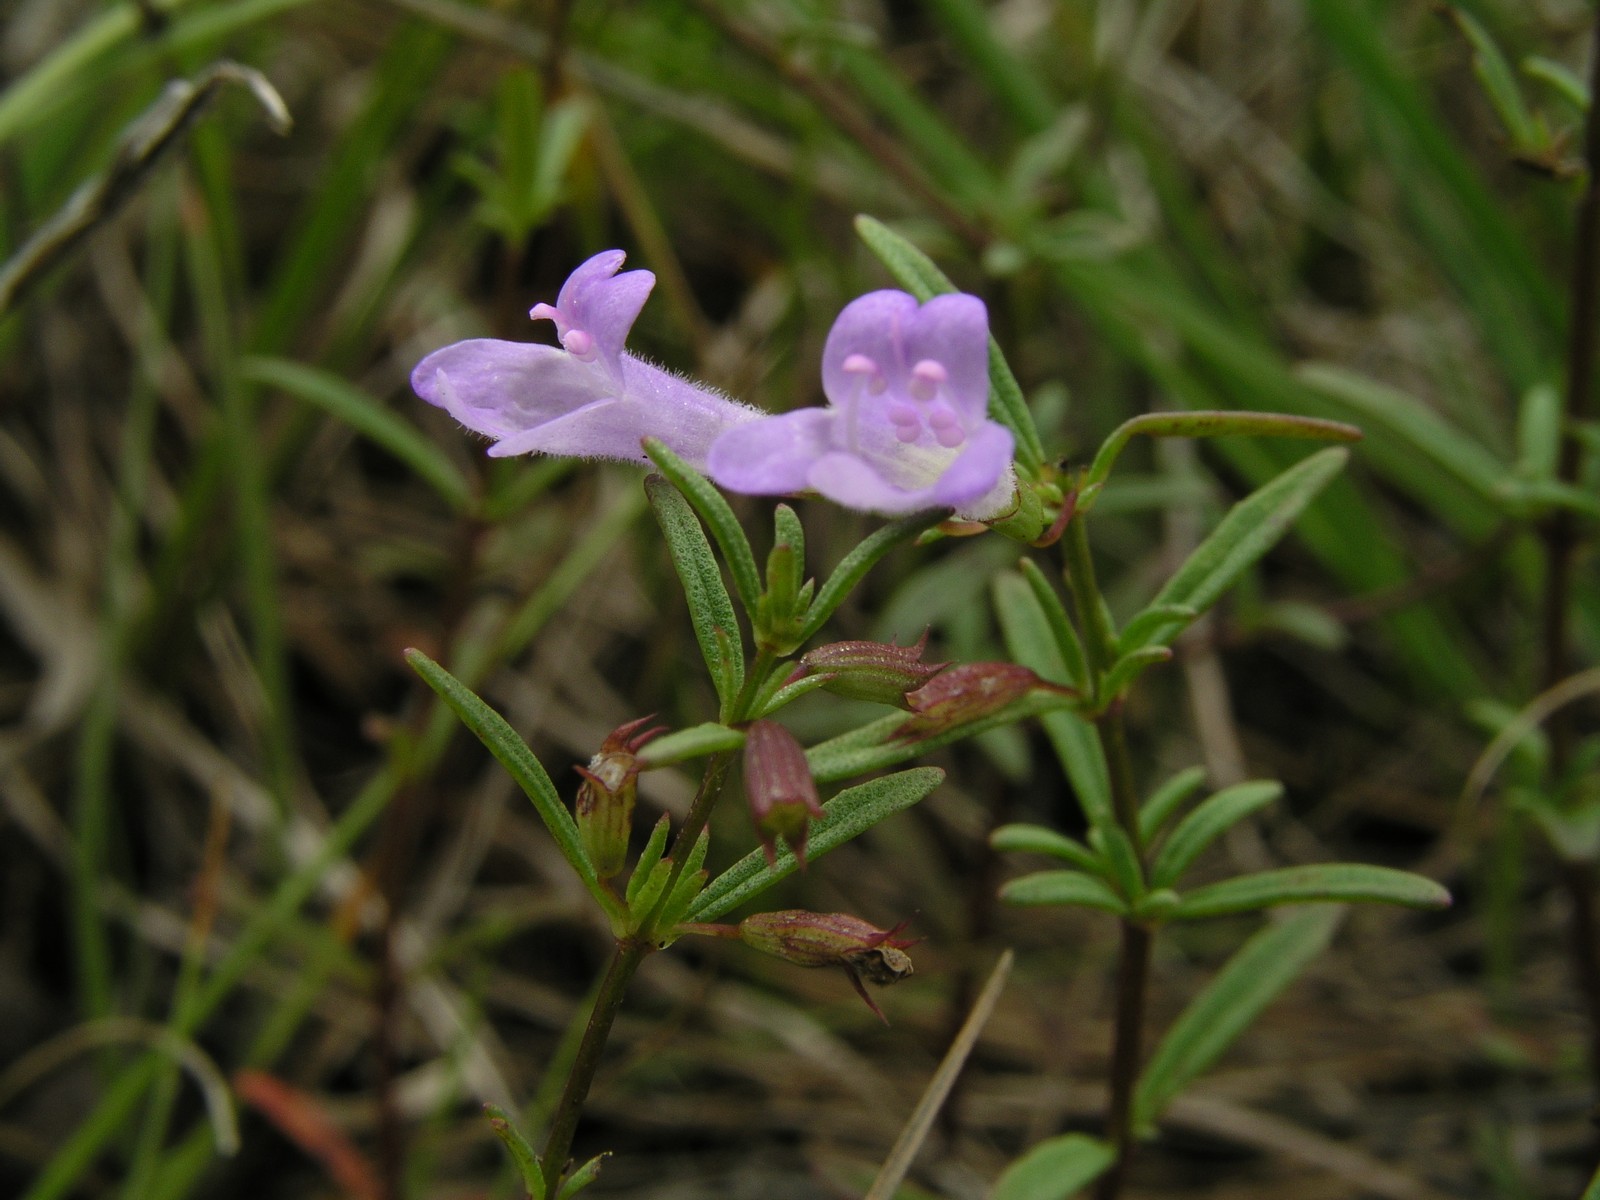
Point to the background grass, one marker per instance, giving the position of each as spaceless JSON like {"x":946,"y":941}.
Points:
{"x":240,"y":835}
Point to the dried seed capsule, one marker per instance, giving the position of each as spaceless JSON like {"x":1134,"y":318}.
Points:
{"x":879,"y":671}
{"x":779,"y":788}
{"x":604,"y":809}
{"x":810,"y":939}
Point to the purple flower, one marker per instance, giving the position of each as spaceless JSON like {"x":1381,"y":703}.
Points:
{"x":906,"y":426}
{"x":588,"y":399}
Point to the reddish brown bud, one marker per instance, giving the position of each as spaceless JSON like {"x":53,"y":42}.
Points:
{"x":879,"y":671}
{"x":606,"y":797}
{"x":810,"y":939}
{"x":968,"y":692}
{"x":779,"y":787}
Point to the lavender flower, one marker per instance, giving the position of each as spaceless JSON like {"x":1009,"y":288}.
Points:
{"x":905,"y":428}
{"x":588,"y":399}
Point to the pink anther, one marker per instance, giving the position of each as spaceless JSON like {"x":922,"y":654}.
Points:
{"x":579,"y":344}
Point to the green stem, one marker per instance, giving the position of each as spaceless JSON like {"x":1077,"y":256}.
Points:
{"x":626,"y":957}
{"x":625,"y":960}
{"x":1133,"y":964}
{"x":1099,"y":638}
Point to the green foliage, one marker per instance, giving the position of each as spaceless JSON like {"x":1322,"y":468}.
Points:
{"x":1225,"y":1008}
{"x":715,"y":626}
{"x":848,"y":815}
{"x":1313,"y":884}
{"x":1055,"y":1169}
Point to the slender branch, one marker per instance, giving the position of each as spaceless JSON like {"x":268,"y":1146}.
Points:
{"x":1133,"y":966}
{"x":625,"y":960}
{"x":1133,"y":975}
{"x":1099,"y":640}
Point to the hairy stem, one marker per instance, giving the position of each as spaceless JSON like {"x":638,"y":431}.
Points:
{"x":1560,"y":535}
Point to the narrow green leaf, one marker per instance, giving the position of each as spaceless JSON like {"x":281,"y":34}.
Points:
{"x":1560,"y":77}
{"x":367,"y":417}
{"x":1032,"y":638}
{"x":1121,"y":860}
{"x":1539,"y":433}
{"x":513,"y":754}
{"x":1072,"y":888}
{"x":710,"y":610}
{"x":882,"y":743}
{"x":1224,"y":1009}
{"x":1419,"y":431}
{"x":920,"y":276}
{"x":1209,"y":821}
{"x":1031,"y":629}
{"x":718,"y":517}
{"x":1306,"y":885}
{"x":643,"y":897}
{"x":1128,"y":668}
{"x":583,"y":1176}
{"x":1153,"y":621}
{"x":1055,"y":614}
{"x":855,"y":565}
{"x":689,"y":885}
{"x":1167,"y":799}
{"x":771,"y":700}
{"x":1251,"y":528}
{"x":787,"y":531}
{"x":1036,"y":839}
{"x":1499,"y":83}
{"x":1221,"y":423}
{"x":1055,"y":1169}
{"x":1592,"y":1191}
{"x":649,"y":857}
{"x":695,"y":742}
{"x":521,"y":1152}
{"x":1011,"y":78}
{"x":848,"y":815}
{"x":1537,"y":494}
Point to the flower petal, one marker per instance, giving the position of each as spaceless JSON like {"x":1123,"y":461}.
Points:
{"x":851,"y":481}
{"x":506,"y":388}
{"x":601,"y":303}
{"x":983,"y":467}
{"x":772,"y":456}
{"x":953,"y":331}
{"x":869,"y":326}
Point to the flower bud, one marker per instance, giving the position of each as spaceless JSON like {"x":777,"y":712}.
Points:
{"x":810,"y":939}
{"x":879,"y":671}
{"x":779,"y":787}
{"x":968,"y":692}
{"x":605,"y":798}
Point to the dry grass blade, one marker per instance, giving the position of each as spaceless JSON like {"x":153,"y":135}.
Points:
{"x":143,"y":144}
{"x":922,"y":1117}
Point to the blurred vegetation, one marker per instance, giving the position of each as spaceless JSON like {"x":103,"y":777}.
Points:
{"x":250,"y":864}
